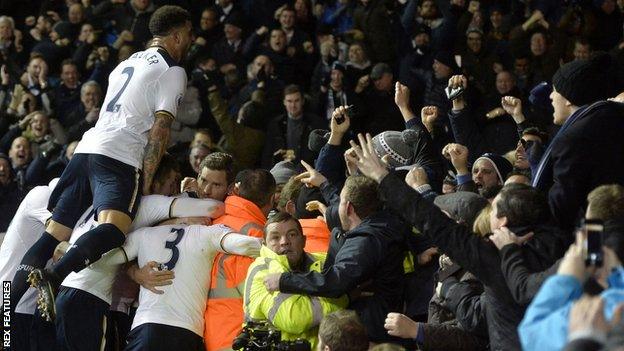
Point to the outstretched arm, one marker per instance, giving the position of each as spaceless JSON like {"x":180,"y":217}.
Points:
{"x":243,"y":245}
{"x":156,"y":146}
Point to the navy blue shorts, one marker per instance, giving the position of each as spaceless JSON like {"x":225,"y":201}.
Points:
{"x":88,"y":179}
{"x":157,"y":337}
{"x":20,"y":331}
{"x":42,"y":333}
{"x":80,"y":320}
{"x":117,"y":328}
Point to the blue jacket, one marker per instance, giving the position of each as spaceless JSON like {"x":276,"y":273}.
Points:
{"x":545,"y":324}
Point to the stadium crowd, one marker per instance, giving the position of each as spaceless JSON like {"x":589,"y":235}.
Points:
{"x":355,"y":174}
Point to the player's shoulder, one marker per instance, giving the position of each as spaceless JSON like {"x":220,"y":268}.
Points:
{"x":38,"y":196}
{"x":151,"y":59}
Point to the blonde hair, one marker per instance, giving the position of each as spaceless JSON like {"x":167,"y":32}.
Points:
{"x":8,"y":20}
{"x":28,"y":133}
{"x":607,"y":202}
{"x":481,"y":226}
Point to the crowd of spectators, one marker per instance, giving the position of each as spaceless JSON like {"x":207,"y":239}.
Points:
{"x":460,"y":97}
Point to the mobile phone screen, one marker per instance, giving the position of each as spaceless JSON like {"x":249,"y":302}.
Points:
{"x":594,"y":231}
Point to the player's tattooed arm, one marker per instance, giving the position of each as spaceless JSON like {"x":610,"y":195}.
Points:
{"x":156,"y":146}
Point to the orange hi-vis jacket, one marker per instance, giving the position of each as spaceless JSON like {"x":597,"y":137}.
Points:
{"x":317,"y":235}
{"x":224,"y":310}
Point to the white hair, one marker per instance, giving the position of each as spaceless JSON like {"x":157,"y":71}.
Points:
{"x":91,"y":83}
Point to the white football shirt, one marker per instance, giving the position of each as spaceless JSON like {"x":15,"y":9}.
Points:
{"x":97,"y":279}
{"x":147,"y":82}
{"x":25,"y":229}
{"x":189,"y":252}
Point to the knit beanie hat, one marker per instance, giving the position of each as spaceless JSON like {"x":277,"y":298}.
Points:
{"x":474,"y":30}
{"x":234,"y":19}
{"x":501,"y":165}
{"x":317,"y":139}
{"x":398,"y":145}
{"x":339,"y":66}
{"x":463,"y":206}
{"x":540,"y":95}
{"x":63,"y":29}
{"x":446,"y":58}
{"x":584,"y":81}
{"x":282,"y":171}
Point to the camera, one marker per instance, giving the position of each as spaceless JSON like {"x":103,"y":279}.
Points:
{"x":263,"y":336}
{"x":594,"y":230}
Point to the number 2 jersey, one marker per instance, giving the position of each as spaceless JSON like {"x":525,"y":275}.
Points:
{"x":189,"y":252}
{"x":147,"y":82}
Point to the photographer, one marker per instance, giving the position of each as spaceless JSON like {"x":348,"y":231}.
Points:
{"x":545,"y":325}
{"x":261,"y":69}
{"x":604,"y":203}
{"x":84,"y":45}
{"x":296,"y":316}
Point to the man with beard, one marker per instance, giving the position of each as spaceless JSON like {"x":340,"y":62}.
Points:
{"x":488,"y":171}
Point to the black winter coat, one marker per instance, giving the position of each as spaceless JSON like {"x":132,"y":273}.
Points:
{"x":587,"y":152}
{"x":277,"y":139}
{"x":369,"y":256}
{"x":476,"y":255}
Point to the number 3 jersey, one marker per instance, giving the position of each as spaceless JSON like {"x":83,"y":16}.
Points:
{"x":189,"y":252}
{"x":147,"y":82}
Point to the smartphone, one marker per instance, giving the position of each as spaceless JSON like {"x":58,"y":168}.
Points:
{"x":523,"y":142}
{"x":594,"y":229}
{"x":453,"y":93}
{"x":349,"y":109}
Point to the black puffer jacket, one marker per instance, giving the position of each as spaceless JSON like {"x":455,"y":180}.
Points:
{"x":478,"y":256}
{"x":369,"y":256}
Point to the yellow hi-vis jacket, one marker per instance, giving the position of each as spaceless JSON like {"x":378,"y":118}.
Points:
{"x":296,"y":316}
